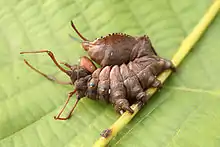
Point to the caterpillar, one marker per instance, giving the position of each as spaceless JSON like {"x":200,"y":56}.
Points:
{"x":129,"y":66}
{"x":120,"y":85}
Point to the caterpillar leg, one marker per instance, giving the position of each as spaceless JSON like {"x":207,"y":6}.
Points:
{"x":133,"y":87}
{"x":122,"y":105}
{"x":66,"y":64}
{"x":49,"y":77}
{"x":71,"y":111}
{"x":51,"y":55}
{"x":155,"y":82}
{"x":167,"y":64}
{"x":118,"y":91}
{"x":104,"y":83}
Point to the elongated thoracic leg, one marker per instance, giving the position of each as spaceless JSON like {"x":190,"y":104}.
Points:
{"x":52,"y":57}
{"x":51,"y":78}
{"x":80,"y":84}
{"x":66,"y":64}
{"x":71,"y":111}
{"x":118,"y":92}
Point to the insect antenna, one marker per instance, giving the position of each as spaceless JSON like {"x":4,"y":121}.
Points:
{"x":80,"y":35}
{"x":74,"y":38}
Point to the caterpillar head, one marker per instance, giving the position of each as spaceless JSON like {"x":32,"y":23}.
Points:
{"x":85,"y":68}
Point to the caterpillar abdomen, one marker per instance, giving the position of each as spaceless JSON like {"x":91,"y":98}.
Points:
{"x":104,"y":84}
{"x":125,"y":84}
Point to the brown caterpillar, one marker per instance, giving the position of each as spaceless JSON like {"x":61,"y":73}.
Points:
{"x":119,"y":85}
{"x":129,"y":67}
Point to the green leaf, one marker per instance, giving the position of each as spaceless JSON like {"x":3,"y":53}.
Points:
{"x":184,"y":113}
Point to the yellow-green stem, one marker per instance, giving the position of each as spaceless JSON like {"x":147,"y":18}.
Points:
{"x":183,"y":50}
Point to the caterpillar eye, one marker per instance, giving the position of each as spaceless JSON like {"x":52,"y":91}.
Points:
{"x":91,"y":84}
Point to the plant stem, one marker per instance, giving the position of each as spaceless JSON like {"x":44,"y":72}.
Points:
{"x":183,"y":50}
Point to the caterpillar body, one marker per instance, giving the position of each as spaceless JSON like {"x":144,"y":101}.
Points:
{"x":121,"y":85}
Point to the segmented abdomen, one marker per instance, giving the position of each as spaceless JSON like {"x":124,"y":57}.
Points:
{"x":126,"y":83}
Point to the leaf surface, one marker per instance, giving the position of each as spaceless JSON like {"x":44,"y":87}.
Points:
{"x":184,"y":113}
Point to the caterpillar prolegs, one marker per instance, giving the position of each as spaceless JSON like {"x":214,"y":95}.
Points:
{"x":121,"y":85}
